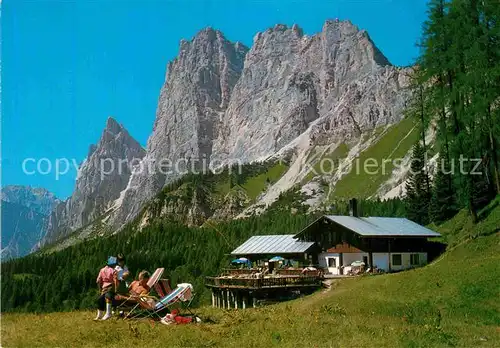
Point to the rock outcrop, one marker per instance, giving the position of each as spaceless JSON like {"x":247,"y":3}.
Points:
{"x":222,"y":105}
{"x":192,"y":102}
{"x":337,"y":79}
{"x":102,"y":176}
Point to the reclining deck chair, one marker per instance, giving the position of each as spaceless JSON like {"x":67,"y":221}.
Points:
{"x":131,"y":302}
{"x":154,"y":307}
{"x":162,"y":288}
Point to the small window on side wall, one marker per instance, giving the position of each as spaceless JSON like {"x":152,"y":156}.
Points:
{"x":414,"y":259}
{"x":397,"y":260}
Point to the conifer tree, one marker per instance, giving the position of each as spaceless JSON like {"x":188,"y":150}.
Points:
{"x":417,"y":189}
{"x":443,"y":201}
{"x":459,"y":71}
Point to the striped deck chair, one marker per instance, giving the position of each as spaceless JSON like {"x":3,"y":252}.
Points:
{"x":182,"y":294}
{"x":155,"y":277}
{"x":132,"y":302}
{"x":146,"y":308}
{"x":162,"y":288}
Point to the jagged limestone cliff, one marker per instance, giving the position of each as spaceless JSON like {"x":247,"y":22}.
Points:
{"x":290,"y":96}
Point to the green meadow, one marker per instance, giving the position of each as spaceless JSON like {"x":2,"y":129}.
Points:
{"x":453,"y":301}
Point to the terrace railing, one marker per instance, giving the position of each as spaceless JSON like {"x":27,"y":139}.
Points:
{"x":240,"y":271}
{"x":263,"y":283}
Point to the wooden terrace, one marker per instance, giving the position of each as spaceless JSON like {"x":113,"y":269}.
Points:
{"x":235,"y":288}
{"x":292,"y":281}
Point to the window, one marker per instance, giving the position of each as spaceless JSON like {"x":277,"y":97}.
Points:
{"x":396,"y":260}
{"x":332,"y":262}
{"x":414,"y":259}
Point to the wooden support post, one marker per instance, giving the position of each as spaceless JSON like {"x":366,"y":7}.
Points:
{"x":389,"y":247}
{"x":254,"y":302}
{"x":222,"y":299}
{"x":213,"y":299}
{"x":244,"y":301}
{"x":370,"y":260}
{"x":228,"y":299}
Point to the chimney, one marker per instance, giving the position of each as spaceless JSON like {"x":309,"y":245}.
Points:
{"x":353,"y":207}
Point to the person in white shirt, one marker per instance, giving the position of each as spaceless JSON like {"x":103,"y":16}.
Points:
{"x":122,"y":274}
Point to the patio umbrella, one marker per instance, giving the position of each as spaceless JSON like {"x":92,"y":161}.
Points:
{"x":357,"y":263}
{"x":240,"y":260}
{"x":276,"y":259}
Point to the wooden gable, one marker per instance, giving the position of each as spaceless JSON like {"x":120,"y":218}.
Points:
{"x":344,"y":248}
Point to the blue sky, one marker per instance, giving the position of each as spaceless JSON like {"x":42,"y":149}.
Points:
{"x":68,"y":65}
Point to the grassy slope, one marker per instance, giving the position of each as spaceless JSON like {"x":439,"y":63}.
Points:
{"x":254,"y":186}
{"x":394,"y":144}
{"x":451,"y":302}
{"x":327,"y":164}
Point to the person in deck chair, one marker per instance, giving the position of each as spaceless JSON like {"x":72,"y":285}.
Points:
{"x":107,"y":281}
{"x":136,"y":289}
{"x":140,"y":287}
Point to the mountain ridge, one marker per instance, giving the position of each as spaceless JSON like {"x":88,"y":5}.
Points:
{"x":101,"y":178}
{"x":304,"y":103}
{"x":25,"y":215}
{"x":288,"y":96}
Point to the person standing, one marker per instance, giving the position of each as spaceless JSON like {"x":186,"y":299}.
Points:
{"x":122,"y":273}
{"x":107,"y":282}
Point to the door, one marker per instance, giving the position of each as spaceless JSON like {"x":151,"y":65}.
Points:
{"x":333,"y":263}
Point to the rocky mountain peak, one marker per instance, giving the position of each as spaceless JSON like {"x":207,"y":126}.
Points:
{"x":112,"y":126}
{"x":197,"y":90}
{"x":204,"y":45}
{"x":291,"y":82}
{"x":345,"y":27}
{"x":113,"y":131}
{"x":279,"y":34}
{"x":103,"y":175}
{"x":209,"y":34}
{"x":337,"y":31}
